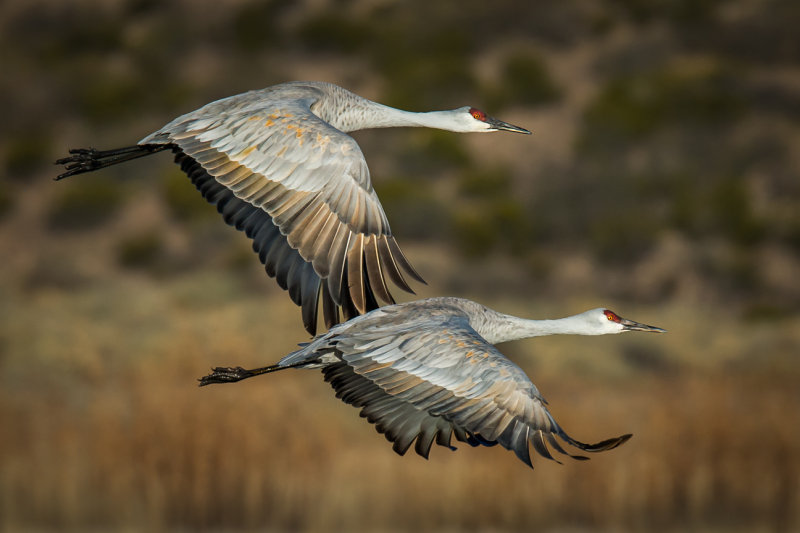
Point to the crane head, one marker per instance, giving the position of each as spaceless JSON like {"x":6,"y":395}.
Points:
{"x":477,"y":120}
{"x":611,"y":322}
{"x":602,"y":321}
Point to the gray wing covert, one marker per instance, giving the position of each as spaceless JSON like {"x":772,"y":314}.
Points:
{"x":438,"y":378}
{"x":308,"y":180}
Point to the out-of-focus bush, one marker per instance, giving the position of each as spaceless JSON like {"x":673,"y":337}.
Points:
{"x":141,"y":250}
{"x":85,"y":203}
{"x":254,"y":26}
{"x":492,"y":217}
{"x":426,"y":69}
{"x":6,"y":201}
{"x":415,"y":214}
{"x":497,"y":223}
{"x":677,"y":11}
{"x":183,"y":200}
{"x":485,"y":183}
{"x":25,"y":152}
{"x":428,"y":153}
{"x":525,"y":81}
{"x":633,"y":106}
{"x":624,"y":236}
{"x":333,"y":31}
{"x":111,"y":96}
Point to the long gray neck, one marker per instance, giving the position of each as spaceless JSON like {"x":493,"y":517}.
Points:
{"x":504,"y":328}
{"x":360,"y":113}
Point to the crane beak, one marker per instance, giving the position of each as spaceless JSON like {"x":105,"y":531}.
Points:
{"x":499,"y":125}
{"x":630,"y":325}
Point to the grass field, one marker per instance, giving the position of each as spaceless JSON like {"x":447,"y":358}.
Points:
{"x":104,"y":427}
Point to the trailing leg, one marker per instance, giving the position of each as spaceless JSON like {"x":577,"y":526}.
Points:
{"x":222,"y":374}
{"x":89,"y":159}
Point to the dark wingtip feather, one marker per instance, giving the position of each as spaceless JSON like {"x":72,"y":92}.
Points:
{"x":608,"y":444}
{"x":400,"y":258}
{"x":540,"y":446}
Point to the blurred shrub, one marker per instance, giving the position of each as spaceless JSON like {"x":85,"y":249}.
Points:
{"x":791,"y":231}
{"x":730,"y":269}
{"x":525,"y":81}
{"x":25,"y":152}
{"x":733,"y":217}
{"x":473,"y":232}
{"x":499,"y":223}
{"x":63,"y":31}
{"x":427,"y":69}
{"x":110,"y":95}
{"x":428,"y":152}
{"x":415,"y":213}
{"x":141,"y":250}
{"x":333,"y":31}
{"x":254,"y":26}
{"x":623,"y":236}
{"x":767,"y":311}
{"x":491,"y":216}
{"x":630,"y":107}
{"x":183,"y":200}
{"x":648,"y":359}
{"x":6,"y":201}
{"x":485,"y":183}
{"x":716,"y":206}
{"x":762,"y":33}
{"x":693,"y":12}
{"x":84,"y":202}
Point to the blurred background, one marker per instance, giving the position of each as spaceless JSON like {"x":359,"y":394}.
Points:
{"x":661,"y":181}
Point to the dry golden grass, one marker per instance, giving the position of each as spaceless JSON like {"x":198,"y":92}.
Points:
{"x":104,"y":427}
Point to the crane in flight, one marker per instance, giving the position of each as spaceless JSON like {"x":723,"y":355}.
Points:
{"x":279,"y":165}
{"x":425,"y":370}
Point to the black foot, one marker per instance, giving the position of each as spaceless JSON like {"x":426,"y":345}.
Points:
{"x":81,"y":160}
{"x":88,"y":159}
{"x":223,"y":374}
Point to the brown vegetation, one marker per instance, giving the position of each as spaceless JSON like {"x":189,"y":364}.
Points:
{"x":104,"y":427}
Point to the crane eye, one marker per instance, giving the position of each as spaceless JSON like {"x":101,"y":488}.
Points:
{"x":477,"y":114}
{"x":611,"y":315}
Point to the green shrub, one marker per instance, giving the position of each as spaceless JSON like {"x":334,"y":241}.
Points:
{"x":254,"y":26}
{"x":110,"y":95}
{"x":630,"y":107}
{"x":25,"y":153}
{"x":85,"y":202}
{"x":414,"y":212}
{"x":6,"y":201}
{"x":490,"y":216}
{"x":525,"y":81}
{"x":183,"y":200}
{"x":495,"y":223}
{"x":485,"y":183}
{"x":141,"y":251}
{"x":624,"y":235}
{"x":429,"y":69}
{"x":431,"y":152}
{"x":334,"y":32}
{"x":729,"y":204}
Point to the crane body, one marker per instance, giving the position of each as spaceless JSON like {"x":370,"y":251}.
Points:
{"x":426,"y":370}
{"x":279,"y":165}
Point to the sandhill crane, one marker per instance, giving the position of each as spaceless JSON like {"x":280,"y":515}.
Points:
{"x":278,"y":164}
{"x":426,"y":369}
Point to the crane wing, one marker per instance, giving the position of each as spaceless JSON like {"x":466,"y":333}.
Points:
{"x":301,"y":190}
{"x":428,"y":379}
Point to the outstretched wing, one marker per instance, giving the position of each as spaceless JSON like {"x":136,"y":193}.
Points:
{"x":301,"y":190}
{"x":424,"y":380}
